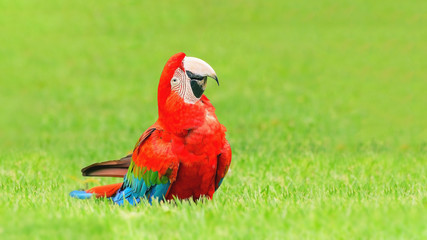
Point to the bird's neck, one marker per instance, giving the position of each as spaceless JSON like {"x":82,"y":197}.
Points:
{"x":178,"y":117}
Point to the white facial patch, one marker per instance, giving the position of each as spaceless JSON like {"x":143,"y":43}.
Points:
{"x":180,"y":83}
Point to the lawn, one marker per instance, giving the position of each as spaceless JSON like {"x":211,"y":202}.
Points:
{"x":324,"y":102}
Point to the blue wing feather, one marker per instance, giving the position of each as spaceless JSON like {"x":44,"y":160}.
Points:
{"x":133,"y":191}
{"x":219,"y":183}
{"x":81,"y":194}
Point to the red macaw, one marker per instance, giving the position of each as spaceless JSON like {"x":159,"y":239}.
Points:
{"x":184,"y":154}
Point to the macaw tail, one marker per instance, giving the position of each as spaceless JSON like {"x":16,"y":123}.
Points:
{"x":99,"y":191}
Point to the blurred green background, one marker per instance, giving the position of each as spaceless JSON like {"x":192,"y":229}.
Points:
{"x":324,"y":102}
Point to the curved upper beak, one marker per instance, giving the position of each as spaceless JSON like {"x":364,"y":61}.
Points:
{"x":198,"y":69}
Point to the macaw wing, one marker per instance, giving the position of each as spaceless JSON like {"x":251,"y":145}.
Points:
{"x":114,"y":168}
{"x":152,"y":171}
{"x":224,"y":161}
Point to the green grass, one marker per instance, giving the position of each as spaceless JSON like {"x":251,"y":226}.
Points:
{"x":324,"y":101}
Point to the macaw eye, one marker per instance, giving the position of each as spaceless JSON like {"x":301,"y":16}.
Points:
{"x":174,"y":81}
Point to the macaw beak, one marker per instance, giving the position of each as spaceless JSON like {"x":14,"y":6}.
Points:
{"x":198,"y":71}
{"x":197,"y":68}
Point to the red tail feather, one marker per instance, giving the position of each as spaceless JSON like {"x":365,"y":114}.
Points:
{"x":106,"y":190}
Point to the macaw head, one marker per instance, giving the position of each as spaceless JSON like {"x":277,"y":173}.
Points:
{"x":186,"y":77}
{"x":182,"y":84}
